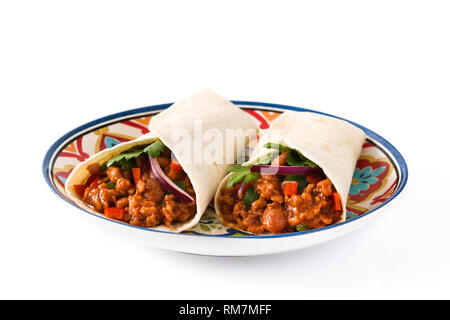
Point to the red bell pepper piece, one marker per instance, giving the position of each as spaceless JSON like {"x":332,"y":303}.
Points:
{"x":115,"y":213}
{"x":79,"y":188}
{"x":136,"y":175}
{"x":337,"y":201}
{"x":175,"y":166}
{"x":93,"y":179}
{"x":289,"y":187}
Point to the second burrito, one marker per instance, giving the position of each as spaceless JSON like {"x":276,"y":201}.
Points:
{"x":297,"y":179}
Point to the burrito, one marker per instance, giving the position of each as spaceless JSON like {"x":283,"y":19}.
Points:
{"x":164,"y":179}
{"x":297,"y":179}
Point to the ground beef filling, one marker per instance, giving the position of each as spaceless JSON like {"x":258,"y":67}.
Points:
{"x":145,"y":203}
{"x":277,"y":213}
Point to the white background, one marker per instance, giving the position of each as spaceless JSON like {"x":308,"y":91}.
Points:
{"x":384,"y":64}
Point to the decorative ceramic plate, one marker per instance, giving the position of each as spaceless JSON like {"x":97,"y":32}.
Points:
{"x":379,"y":176}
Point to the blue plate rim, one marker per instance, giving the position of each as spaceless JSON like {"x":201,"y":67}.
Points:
{"x":396,"y":155}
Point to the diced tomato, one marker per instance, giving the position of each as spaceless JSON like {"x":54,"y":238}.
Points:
{"x":280,"y":160}
{"x":79,"y":188}
{"x":136,"y":175}
{"x":175,"y":166}
{"x":337,"y":201}
{"x":289,"y":187}
{"x":94,"y":183}
{"x":315,"y":178}
{"x":93,"y":178}
{"x":115,"y":213}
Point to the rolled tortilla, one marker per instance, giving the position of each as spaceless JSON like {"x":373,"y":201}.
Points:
{"x":205,"y":109}
{"x":333,"y":144}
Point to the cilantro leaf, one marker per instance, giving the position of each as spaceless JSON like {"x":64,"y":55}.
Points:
{"x":111,"y":185}
{"x":251,"y":176}
{"x":241,"y":173}
{"x":277,"y":146}
{"x":301,"y":227}
{"x":155,"y":149}
{"x":236,"y":178}
{"x":267,"y":159}
{"x":124,"y":157}
{"x":250,"y":196}
{"x":294,"y":158}
{"x":238,"y":168}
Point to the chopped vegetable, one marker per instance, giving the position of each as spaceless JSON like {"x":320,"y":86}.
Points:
{"x":115,"y":213}
{"x":94,"y":184}
{"x":175,"y":166}
{"x":155,"y":149}
{"x":242,"y":189}
{"x":250,"y":196}
{"x":136,"y":175}
{"x":301,"y":227}
{"x":289,"y":187}
{"x":300,"y":179}
{"x":111,"y":185}
{"x":79,"y":188}
{"x":337,"y":201}
{"x":166,"y":183}
{"x":281,"y":159}
{"x":92,"y":178}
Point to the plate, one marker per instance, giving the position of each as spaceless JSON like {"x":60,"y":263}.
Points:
{"x":380,"y":175}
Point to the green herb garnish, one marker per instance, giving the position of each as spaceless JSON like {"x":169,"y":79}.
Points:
{"x":266,"y":160}
{"x":250,"y":196}
{"x":241,"y":173}
{"x":238,"y":168}
{"x":294,"y":158}
{"x":236,"y":178}
{"x":181,"y":184}
{"x":124,"y":156}
{"x":277,"y":146}
{"x":251,"y":176}
{"x":111,"y":185}
{"x":126,"y":159}
{"x":155,"y":149}
{"x":301,"y":227}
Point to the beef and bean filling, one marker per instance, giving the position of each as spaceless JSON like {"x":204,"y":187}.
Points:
{"x":266,"y":204}
{"x":133,"y":196}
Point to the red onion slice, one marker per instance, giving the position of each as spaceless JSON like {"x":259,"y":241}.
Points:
{"x":242,"y":189}
{"x":285,"y":170}
{"x":166,"y":183}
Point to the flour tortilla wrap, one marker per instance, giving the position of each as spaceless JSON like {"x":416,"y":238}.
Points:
{"x":214,"y":113}
{"x":333,"y":144}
